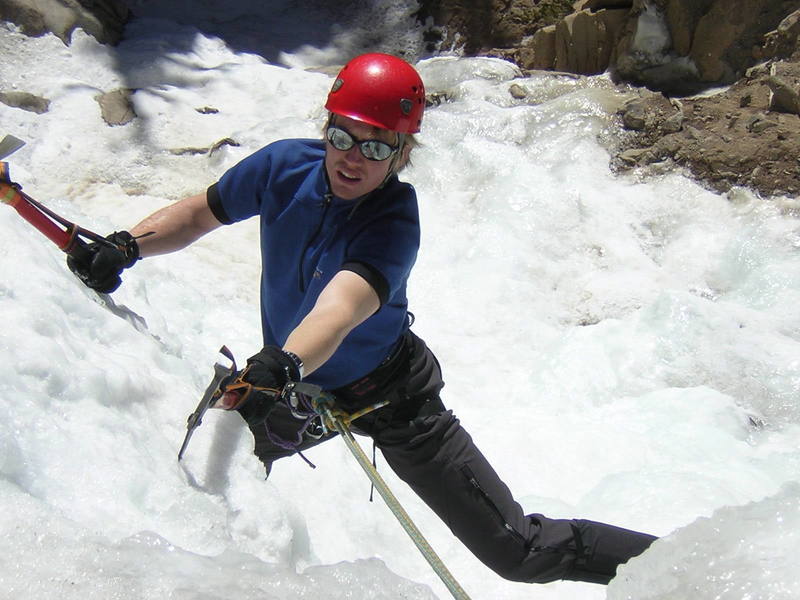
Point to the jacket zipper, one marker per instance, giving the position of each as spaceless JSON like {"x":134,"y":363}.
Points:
{"x":326,"y":202}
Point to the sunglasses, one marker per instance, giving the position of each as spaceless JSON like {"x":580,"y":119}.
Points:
{"x":371,"y":149}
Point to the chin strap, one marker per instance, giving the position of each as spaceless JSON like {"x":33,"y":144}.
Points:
{"x":401,"y":142}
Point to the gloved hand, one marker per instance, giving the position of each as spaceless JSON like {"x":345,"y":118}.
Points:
{"x":99,"y":265}
{"x":271,"y":368}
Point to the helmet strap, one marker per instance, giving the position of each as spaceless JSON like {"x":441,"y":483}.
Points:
{"x":401,"y":142}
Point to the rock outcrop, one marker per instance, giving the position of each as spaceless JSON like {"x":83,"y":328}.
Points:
{"x":102,"y":19}
{"x":675,"y":46}
{"x":25,"y":101}
{"x":745,"y":135}
{"x":479,"y":25}
{"x":670,"y":49}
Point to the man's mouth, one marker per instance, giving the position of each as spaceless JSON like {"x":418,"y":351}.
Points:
{"x":348,"y":176}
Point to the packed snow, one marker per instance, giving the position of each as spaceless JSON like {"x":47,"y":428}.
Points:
{"x":623,"y":348}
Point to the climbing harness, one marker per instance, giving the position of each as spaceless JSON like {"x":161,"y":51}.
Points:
{"x":317,"y":409}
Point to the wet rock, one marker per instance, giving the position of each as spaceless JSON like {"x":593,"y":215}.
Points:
{"x":633,"y":115}
{"x":760,"y":125}
{"x":783,"y":41}
{"x":102,"y":19}
{"x":727,"y":140}
{"x":706,"y":43}
{"x":437,"y":98}
{"x":204,"y":150}
{"x":785,"y":97}
{"x":116,"y":107}
{"x":637,"y":156}
{"x":584,"y":41}
{"x":25,"y":101}
{"x":517,"y":91}
{"x":673,"y":123}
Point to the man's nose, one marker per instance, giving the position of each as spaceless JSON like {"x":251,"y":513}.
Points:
{"x":354,"y":154}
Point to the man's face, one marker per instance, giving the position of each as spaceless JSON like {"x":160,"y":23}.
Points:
{"x":350,"y":173}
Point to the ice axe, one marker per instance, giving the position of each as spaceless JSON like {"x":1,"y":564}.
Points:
{"x":65,"y":234}
{"x":223,"y":376}
{"x":9,"y":145}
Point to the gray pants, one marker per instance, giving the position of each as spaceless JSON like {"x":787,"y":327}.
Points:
{"x":426,"y":447}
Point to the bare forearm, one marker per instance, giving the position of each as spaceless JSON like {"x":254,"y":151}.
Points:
{"x":347,"y":301}
{"x":315,"y":340}
{"x":175,"y":226}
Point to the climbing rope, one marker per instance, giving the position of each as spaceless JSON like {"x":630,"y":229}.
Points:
{"x":339,"y":422}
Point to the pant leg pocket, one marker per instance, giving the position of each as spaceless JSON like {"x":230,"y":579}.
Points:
{"x":490,"y":504}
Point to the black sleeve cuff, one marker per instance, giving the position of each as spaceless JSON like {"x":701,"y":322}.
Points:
{"x":373,"y":277}
{"x":215,"y":204}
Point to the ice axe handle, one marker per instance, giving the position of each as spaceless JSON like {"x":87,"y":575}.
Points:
{"x":11,"y":195}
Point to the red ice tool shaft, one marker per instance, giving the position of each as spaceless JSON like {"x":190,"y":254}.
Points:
{"x":56,"y":228}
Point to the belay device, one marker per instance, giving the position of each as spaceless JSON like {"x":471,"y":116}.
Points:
{"x":305,"y":399}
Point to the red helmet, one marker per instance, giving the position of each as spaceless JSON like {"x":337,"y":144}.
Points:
{"x":381,"y":90}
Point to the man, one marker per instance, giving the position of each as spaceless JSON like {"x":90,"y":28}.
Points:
{"x":339,"y":236}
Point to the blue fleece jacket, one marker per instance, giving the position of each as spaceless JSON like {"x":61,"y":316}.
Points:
{"x":308,"y":235}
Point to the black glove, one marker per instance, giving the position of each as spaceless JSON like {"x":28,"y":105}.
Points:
{"x":271,"y":368}
{"x":99,"y":265}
